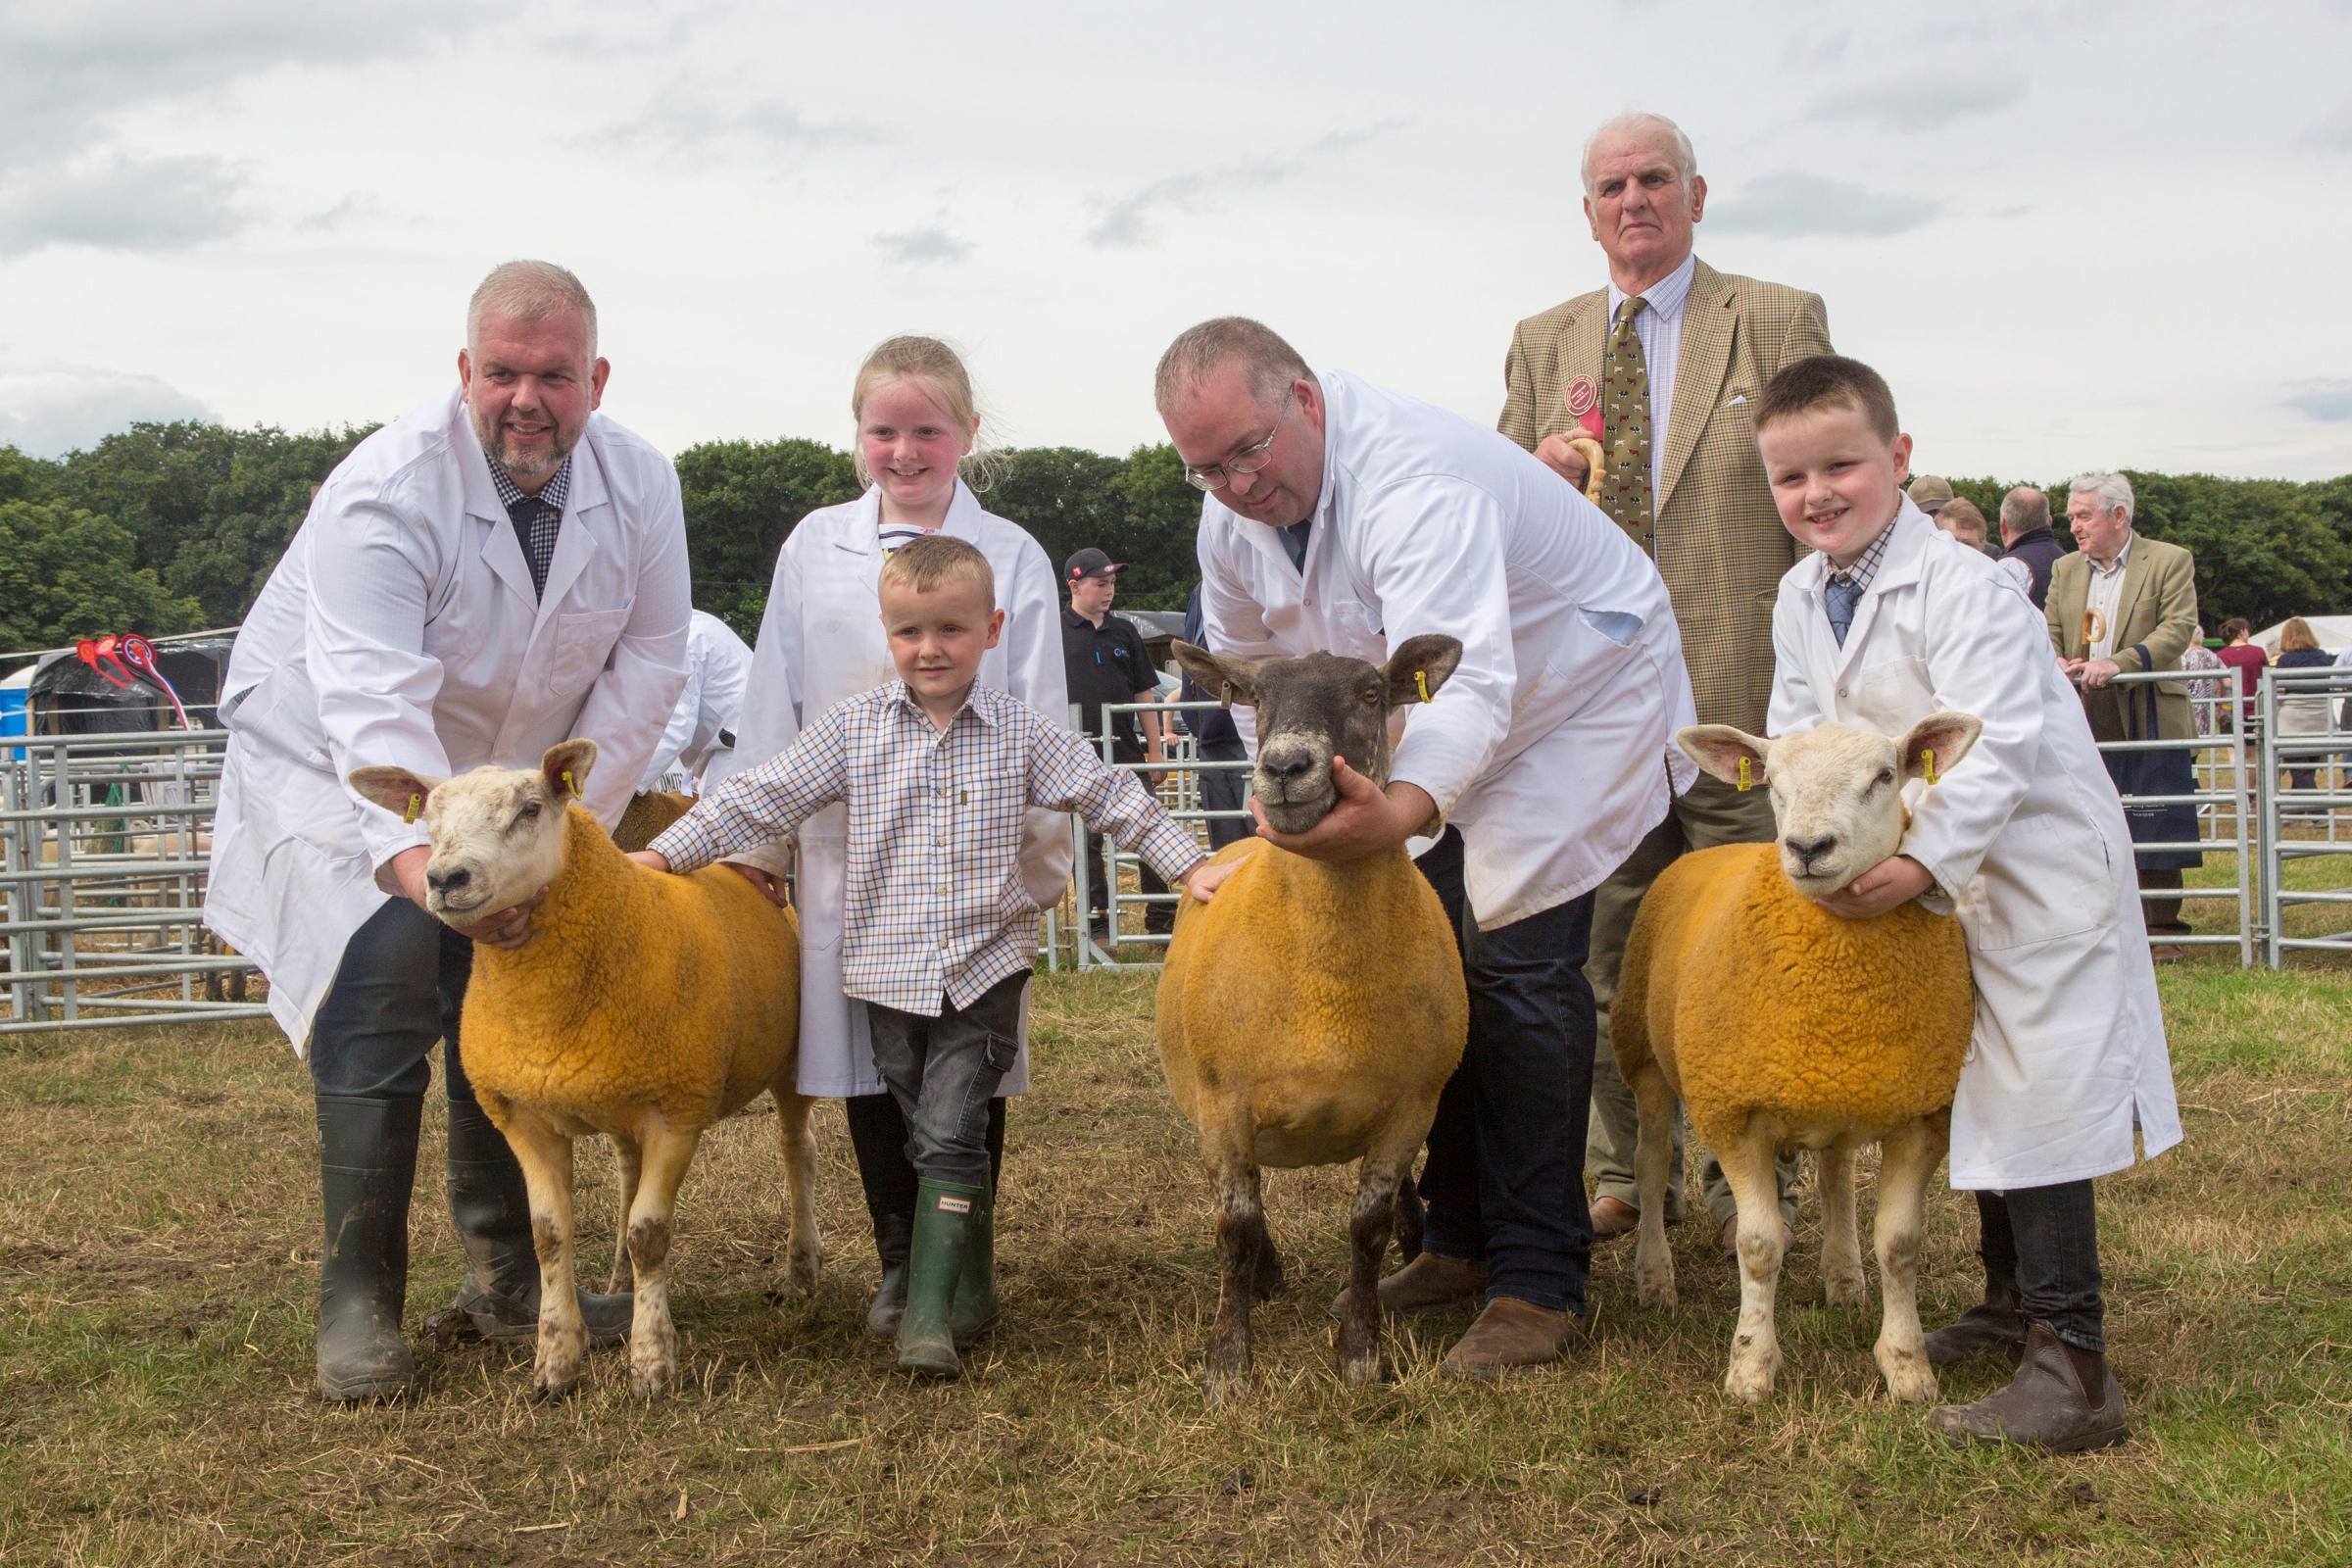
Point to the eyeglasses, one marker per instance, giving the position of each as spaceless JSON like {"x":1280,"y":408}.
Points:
{"x":1249,"y":460}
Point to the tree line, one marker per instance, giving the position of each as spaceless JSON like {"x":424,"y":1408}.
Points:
{"x":168,"y":527}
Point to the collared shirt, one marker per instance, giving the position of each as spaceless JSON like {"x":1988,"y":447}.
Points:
{"x":1105,"y":664}
{"x":934,"y":906}
{"x":1865,"y":567}
{"x":1659,"y":326}
{"x":537,"y":518}
{"x":2106,"y":593}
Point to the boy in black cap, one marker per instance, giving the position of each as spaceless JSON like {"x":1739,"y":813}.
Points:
{"x":1106,"y":661}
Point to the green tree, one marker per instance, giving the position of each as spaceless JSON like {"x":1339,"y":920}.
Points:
{"x":66,"y":573}
{"x":2266,"y":549}
{"x":24,"y":478}
{"x":742,"y":498}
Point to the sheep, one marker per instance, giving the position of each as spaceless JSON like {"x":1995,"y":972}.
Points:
{"x":644,"y":1007}
{"x":1311,"y":1014}
{"x":1780,"y":1025}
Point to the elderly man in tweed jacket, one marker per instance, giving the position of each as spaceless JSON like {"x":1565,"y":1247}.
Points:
{"x":1667,"y":395}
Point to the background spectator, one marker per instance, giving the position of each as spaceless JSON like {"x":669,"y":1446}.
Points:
{"x":1221,"y":789}
{"x":2026,"y":536}
{"x":1960,"y":519}
{"x":1105,"y":661}
{"x":2242,"y":653}
{"x":2305,"y":714}
{"x":1931,"y":493}
{"x":2203,"y":695}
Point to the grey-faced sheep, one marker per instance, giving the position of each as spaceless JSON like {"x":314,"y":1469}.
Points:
{"x":1782,"y":1025}
{"x":1312,"y":1011}
{"x":644,"y":1007}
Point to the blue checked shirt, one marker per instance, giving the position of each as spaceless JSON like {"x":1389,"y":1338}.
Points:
{"x":935,"y":905}
{"x":1858,"y":575}
{"x":537,"y":518}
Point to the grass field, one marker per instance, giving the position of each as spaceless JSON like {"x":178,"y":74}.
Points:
{"x":158,"y":1270}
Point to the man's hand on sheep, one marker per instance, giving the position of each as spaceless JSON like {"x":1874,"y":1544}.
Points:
{"x":508,"y":928}
{"x":1202,"y":880}
{"x":1366,"y":819}
{"x":1889,"y":884}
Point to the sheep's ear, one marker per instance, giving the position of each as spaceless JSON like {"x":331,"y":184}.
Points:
{"x":1418,"y":668}
{"x":566,"y":766}
{"x":1947,"y":735}
{"x":1229,"y":680}
{"x":394,"y":789}
{"x":1718,"y":749}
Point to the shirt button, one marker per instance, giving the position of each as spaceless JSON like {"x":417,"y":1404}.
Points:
{"x":1841,"y":691}
{"x":942,"y":843}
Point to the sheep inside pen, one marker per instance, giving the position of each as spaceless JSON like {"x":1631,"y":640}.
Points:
{"x":1780,"y":1024}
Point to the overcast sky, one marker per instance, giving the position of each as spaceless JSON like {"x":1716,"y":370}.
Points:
{"x":2070,"y":235}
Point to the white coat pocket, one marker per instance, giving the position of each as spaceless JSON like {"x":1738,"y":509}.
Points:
{"x":1890,"y":696}
{"x":2046,"y":878}
{"x":584,"y":640}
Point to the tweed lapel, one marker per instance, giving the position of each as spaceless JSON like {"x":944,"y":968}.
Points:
{"x":1584,"y":349}
{"x":1709,"y":318}
{"x":2137,"y":573}
{"x":2070,"y":592}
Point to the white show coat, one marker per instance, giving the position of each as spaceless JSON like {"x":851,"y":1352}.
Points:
{"x":401,"y":628}
{"x":719,"y":665}
{"x":2068,"y":1047}
{"x":821,"y":641}
{"x":1551,"y":745}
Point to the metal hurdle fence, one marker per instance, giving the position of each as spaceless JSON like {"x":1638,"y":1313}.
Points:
{"x":2224,"y":794}
{"x":2304,"y":718}
{"x":103,"y":841}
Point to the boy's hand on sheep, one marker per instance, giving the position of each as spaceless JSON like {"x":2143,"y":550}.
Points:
{"x":1202,"y":880}
{"x":1889,"y":884}
{"x":652,"y":859}
{"x":1365,"y":821}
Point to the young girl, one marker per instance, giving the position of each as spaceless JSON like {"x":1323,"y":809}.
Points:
{"x":821,"y":641}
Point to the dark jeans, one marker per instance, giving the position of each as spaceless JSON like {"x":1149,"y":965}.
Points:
{"x":2046,"y":1241}
{"x":1223,"y":790}
{"x":1505,"y":1178}
{"x":1098,"y":874}
{"x":944,"y":1071}
{"x":400,"y":988}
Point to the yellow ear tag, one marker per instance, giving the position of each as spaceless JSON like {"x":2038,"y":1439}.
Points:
{"x":1929,"y":752}
{"x":409,"y":816}
{"x":1421,"y":683}
{"x":1745,"y":783}
{"x":569,"y":784}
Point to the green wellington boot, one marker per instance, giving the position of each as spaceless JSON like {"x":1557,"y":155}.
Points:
{"x":943,"y":1222}
{"x":976,"y":1309}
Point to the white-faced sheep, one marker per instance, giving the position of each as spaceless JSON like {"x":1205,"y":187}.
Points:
{"x":644,"y":1007}
{"x":1312,"y":1012}
{"x":1782,"y":1025}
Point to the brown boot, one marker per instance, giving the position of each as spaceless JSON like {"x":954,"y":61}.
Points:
{"x":1507,"y":1334}
{"x":1427,"y":1283}
{"x":2046,"y":1405}
{"x":1612,"y":1219}
{"x":1993,"y":1327}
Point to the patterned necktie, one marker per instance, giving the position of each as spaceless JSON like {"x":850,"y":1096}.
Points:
{"x":1625,"y":416}
{"x":1839,"y":596}
{"x":535,"y":526}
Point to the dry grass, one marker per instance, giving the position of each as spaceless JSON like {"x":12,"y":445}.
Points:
{"x":158,"y":1256}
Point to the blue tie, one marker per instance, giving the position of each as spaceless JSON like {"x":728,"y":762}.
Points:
{"x":1293,"y":541}
{"x":1840,"y":597}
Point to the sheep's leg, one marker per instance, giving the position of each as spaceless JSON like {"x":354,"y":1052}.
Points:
{"x":1653,"y":1150}
{"x":1910,"y":1156}
{"x":632,"y":1163}
{"x":1842,"y":1282}
{"x":1240,"y":1246}
{"x":1747,"y":1164}
{"x":804,"y":1253}
{"x":653,"y":1340}
{"x":1413,"y":1219}
{"x":545,"y":1156}
{"x":1385,"y":1174}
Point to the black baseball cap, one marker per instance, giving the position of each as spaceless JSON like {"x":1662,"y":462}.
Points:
{"x":1092,"y":563}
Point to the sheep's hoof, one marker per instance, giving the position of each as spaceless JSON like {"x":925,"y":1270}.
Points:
{"x":1750,"y":1382}
{"x":1221,"y":1384}
{"x":1909,"y":1378}
{"x":1845,"y":1290}
{"x":552,"y":1385}
{"x":649,"y":1380}
{"x":801,"y":1270}
{"x":1362,"y":1371}
{"x":1656,"y":1291}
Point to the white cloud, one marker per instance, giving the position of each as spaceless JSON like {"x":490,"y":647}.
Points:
{"x":1126,"y":220}
{"x":1793,"y":206}
{"x":1904,"y":103}
{"x":2328,"y":399}
{"x":51,"y":410}
{"x":915,"y":247}
{"x":127,"y":204}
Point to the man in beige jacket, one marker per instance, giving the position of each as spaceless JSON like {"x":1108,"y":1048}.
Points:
{"x":1666,"y":394}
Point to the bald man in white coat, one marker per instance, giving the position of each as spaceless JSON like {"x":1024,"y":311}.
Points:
{"x":1345,"y":517}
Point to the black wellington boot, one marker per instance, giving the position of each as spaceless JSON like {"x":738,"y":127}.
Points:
{"x":499,"y":1298}
{"x":878,"y":1137}
{"x":367,"y":1164}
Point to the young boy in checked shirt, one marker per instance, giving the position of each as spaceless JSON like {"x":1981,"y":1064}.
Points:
{"x":937,"y":771}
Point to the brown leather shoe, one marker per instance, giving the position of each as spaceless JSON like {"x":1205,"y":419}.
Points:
{"x":1424,"y":1285}
{"x":2044,"y":1406}
{"x":1613,"y":1218}
{"x":1727,"y":1238}
{"x":1507,"y":1334}
{"x":1988,"y":1329}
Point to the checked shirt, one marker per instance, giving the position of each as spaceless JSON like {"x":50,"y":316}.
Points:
{"x":935,"y":904}
{"x":536,"y":518}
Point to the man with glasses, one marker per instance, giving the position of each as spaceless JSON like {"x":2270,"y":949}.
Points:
{"x":1345,"y":517}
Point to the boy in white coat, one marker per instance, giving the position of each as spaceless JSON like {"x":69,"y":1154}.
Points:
{"x":1887,"y":622}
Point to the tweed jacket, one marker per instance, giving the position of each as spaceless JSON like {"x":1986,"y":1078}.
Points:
{"x":2157,"y":610}
{"x":1718,"y":541}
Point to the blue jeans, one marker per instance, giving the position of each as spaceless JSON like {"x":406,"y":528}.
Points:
{"x":2044,"y":1240}
{"x":1505,"y":1178}
{"x":944,"y":1071}
{"x":401,"y":987}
